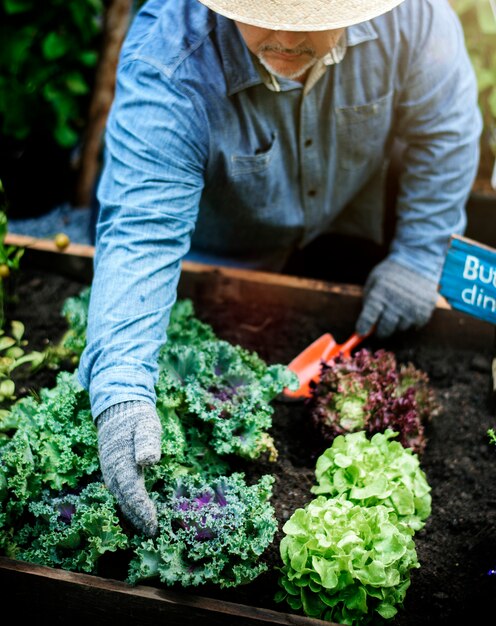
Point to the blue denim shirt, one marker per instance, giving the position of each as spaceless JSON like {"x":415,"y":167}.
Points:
{"x":203,"y":161}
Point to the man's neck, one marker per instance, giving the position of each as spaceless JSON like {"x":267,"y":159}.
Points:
{"x":303,"y":78}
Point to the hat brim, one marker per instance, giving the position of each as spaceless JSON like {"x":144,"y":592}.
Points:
{"x":295,"y":15}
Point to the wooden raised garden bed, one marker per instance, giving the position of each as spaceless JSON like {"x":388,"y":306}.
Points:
{"x":277,"y":316}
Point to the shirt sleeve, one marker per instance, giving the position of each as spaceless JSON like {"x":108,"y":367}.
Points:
{"x":438,"y":119}
{"x":152,"y":179}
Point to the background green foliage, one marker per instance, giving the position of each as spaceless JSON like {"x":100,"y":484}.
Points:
{"x":48,"y":54}
{"x":478,"y":18}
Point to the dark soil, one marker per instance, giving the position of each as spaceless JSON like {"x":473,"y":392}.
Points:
{"x":457,"y":546}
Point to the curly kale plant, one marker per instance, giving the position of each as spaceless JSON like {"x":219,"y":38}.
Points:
{"x":344,"y":562}
{"x":54,"y":445}
{"x":186,"y":449}
{"x":375,"y":471}
{"x":370,"y":392}
{"x":209,"y":532}
{"x":208,"y":391}
{"x":53,"y":454}
{"x":228,"y":389}
{"x":70,"y":531}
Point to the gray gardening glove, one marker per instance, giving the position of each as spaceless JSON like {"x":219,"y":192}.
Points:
{"x":395,"y":298}
{"x":129,"y":437}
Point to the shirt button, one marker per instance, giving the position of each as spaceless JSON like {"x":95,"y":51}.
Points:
{"x":312,"y":193}
{"x":308,"y":143}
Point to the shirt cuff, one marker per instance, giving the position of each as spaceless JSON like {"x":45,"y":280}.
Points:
{"x":119,"y":385}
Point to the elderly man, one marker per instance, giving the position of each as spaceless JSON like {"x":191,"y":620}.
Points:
{"x":243,"y":129}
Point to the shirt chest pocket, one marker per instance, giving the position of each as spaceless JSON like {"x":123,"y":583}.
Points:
{"x":259,"y":162}
{"x":362,"y":131}
{"x":254,"y":179}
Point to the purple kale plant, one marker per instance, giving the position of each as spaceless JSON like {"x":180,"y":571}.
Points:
{"x":227,"y":391}
{"x":370,"y":391}
{"x":210,"y":531}
{"x":71,"y":531}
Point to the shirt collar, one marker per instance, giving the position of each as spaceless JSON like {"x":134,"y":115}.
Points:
{"x":359,"y":33}
{"x":239,"y":69}
{"x":239,"y":64}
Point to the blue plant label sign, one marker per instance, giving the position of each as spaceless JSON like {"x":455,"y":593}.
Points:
{"x":468,"y":279}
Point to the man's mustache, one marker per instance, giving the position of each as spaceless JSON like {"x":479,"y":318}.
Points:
{"x":283,"y":50}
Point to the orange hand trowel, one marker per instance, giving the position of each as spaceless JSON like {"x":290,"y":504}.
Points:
{"x":308,"y":364}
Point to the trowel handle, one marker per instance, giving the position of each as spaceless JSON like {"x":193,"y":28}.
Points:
{"x":345,"y":348}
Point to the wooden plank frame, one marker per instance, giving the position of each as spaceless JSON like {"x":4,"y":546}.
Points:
{"x":49,"y":595}
{"x":36,"y":591}
{"x":339,"y":302}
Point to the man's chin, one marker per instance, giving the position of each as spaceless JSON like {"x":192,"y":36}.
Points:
{"x":286,"y":69}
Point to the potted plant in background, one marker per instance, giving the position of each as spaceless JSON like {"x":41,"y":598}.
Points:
{"x":48,"y":57}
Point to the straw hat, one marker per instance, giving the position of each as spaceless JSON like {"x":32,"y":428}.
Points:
{"x":301,"y":15}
